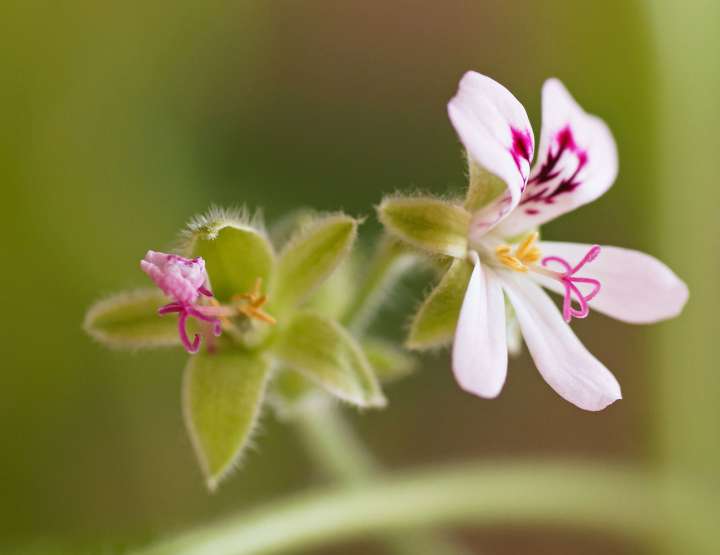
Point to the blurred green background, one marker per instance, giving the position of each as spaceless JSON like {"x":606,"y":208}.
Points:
{"x":121,"y":120}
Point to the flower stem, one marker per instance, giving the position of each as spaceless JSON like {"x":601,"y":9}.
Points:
{"x":620,"y":500}
{"x":342,"y":456}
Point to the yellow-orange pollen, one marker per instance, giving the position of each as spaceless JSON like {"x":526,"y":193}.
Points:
{"x":247,"y":304}
{"x":525,"y":255}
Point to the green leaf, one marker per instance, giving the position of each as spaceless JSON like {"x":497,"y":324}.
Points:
{"x":329,"y":356}
{"x":235,"y":250}
{"x":435,"y":321}
{"x":484,"y":187}
{"x":222,"y":396}
{"x":389,"y":362}
{"x":130,"y":321}
{"x":429,"y":224}
{"x":310,"y":257}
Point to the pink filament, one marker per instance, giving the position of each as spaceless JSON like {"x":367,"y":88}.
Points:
{"x":568,"y":279}
{"x":193,"y":347}
{"x":187,"y":310}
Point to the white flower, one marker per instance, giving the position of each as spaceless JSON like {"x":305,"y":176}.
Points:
{"x":577,"y":162}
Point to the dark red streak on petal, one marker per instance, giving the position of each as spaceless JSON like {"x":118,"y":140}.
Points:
{"x":549,"y":171}
{"x":522,"y":148}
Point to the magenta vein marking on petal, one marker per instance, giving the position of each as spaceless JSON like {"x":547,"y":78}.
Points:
{"x":549,"y":170}
{"x":204,"y":291}
{"x":521,"y":149}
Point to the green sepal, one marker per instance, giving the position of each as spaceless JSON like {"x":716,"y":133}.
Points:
{"x":310,"y":256}
{"x":236,"y":251}
{"x":430,"y":224}
{"x":484,"y":187}
{"x":390,"y":363}
{"x":130,"y":321}
{"x":435,"y":321}
{"x":324,"y":352}
{"x":222,"y":396}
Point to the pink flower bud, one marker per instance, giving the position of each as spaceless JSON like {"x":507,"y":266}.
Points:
{"x":181,"y":279}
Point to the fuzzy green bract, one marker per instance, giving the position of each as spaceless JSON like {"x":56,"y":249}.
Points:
{"x":430,"y":224}
{"x":310,"y":256}
{"x":130,"y":321}
{"x":435,"y":321}
{"x":222,"y":396}
{"x":329,"y":356}
{"x":314,"y":295}
{"x":235,"y":254}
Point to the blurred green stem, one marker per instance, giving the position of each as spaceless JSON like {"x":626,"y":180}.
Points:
{"x":342,"y":456}
{"x":619,"y":500}
{"x":388,"y":264}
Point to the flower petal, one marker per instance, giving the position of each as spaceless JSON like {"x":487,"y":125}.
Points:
{"x":495,"y":130}
{"x":634,"y":287}
{"x":577,"y":162}
{"x":479,"y":356}
{"x":565,"y":364}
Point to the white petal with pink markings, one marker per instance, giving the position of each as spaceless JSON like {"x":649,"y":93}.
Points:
{"x":495,"y":130}
{"x":577,"y":162}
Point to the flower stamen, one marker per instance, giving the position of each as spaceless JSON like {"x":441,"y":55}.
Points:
{"x":526,"y":254}
{"x":250,"y":304}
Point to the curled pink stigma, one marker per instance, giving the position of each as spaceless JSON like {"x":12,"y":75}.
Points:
{"x":187,"y":311}
{"x":570,"y":281}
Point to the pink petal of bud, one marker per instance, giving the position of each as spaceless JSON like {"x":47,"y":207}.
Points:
{"x":181,"y":279}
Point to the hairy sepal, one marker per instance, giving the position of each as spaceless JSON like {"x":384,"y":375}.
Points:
{"x":222,"y":396}
{"x":430,"y":224}
{"x":236,"y":250}
{"x":311,"y":255}
{"x":325,"y":353}
{"x":130,"y":321}
{"x":435,"y":321}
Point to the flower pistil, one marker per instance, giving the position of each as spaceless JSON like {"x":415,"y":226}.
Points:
{"x":525,"y":258}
